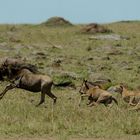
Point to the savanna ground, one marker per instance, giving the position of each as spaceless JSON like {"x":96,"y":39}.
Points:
{"x":73,"y":58}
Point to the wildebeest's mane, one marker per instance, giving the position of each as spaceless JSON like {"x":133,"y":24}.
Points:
{"x":30,"y":67}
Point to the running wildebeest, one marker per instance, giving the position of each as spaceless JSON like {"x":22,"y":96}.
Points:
{"x":95,"y":94}
{"x":87,"y":84}
{"x":26,"y":79}
{"x":130,"y":97}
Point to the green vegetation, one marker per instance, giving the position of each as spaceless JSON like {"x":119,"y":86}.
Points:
{"x":67,"y":55}
{"x":57,"y":21}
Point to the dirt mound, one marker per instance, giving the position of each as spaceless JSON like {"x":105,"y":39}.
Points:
{"x":94,"y":28}
{"x":57,"y":21}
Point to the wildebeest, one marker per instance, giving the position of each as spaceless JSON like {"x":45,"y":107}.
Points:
{"x":95,"y":94}
{"x":26,"y":79}
{"x":84,"y":87}
{"x":130,"y":97}
{"x":87,"y":84}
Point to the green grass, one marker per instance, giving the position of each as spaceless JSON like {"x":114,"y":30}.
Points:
{"x":80,"y":58}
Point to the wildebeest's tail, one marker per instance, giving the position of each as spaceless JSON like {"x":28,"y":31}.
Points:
{"x":115,"y":100}
{"x":63,"y":84}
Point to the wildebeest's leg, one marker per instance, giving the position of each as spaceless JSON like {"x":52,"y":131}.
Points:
{"x":100,"y":100}
{"x":42,"y":100}
{"x":92,"y":103}
{"x":15,"y":84}
{"x":90,"y":98}
{"x":81,"y":98}
{"x":131,"y":101}
{"x":108,"y":102}
{"x":51,"y":95}
{"x":47,"y":90}
{"x":8,"y":87}
{"x":1,"y":77}
{"x":138,"y":105}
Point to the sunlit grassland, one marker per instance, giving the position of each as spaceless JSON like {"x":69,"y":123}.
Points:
{"x":82,"y":57}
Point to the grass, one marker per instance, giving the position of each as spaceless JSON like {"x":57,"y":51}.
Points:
{"x":80,"y":58}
